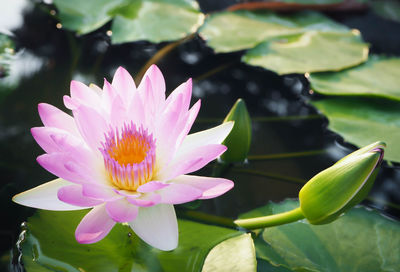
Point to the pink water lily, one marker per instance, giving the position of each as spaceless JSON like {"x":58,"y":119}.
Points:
{"x":126,"y":154}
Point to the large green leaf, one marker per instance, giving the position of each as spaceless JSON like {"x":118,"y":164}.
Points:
{"x":377,"y":77}
{"x":361,"y":240}
{"x":234,"y":254}
{"x":362,"y":121}
{"x":309,"y":52}
{"x":156,"y":21}
{"x":50,"y":245}
{"x":85,"y":16}
{"x":152,"y":20}
{"x":6,"y":53}
{"x":232,"y":31}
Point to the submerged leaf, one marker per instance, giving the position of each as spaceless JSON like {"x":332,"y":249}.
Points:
{"x":50,"y":246}
{"x":378,"y":76}
{"x":309,"y":52}
{"x":361,"y":121}
{"x":361,"y":240}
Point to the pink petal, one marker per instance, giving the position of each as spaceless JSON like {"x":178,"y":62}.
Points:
{"x":157,"y":226}
{"x":123,"y":83}
{"x":118,"y":113}
{"x":72,"y":194}
{"x":191,"y":161}
{"x":121,"y":210}
{"x":91,"y":125}
{"x":189,"y":122}
{"x":109,"y":93}
{"x":70,"y":103}
{"x":45,"y":197}
{"x":179,"y":193}
{"x":213,"y":135}
{"x":53,"y":117}
{"x":102,"y":193}
{"x":168,"y":129}
{"x":158,"y":83}
{"x":151,"y":186}
{"x":211,"y":187}
{"x":146,"y":200}
{"x":53,"y":139}
{"x":136,"y":111}
{"x":82,"y":94}
{"x":170,"y":138}
{"x":55,"y":163}
{"x":94,"y":226}
{"x":184,"y":90}
{"x":150,"y":103}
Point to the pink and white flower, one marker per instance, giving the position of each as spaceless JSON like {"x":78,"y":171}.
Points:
{"x":126,"y":154}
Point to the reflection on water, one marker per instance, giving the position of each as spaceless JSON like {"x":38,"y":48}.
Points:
{"x":11,"y":14}
{"x":50,"y":58}
{"x":23,"y":65}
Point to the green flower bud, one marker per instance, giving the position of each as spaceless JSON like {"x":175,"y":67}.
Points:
{"x":238,"y":141}
{"x":340,"y":187}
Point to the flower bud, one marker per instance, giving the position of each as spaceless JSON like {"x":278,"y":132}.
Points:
{"x":340,"y":187}
{"x":238,"y":141}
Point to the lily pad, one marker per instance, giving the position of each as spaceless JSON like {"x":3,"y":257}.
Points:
{"x":50,"y":245}
{"x":85,"y":16}
{"x":362,"y":121}
{"x":152,"y":20}
{"x":156,"y":21}
{"x":377,"y":77}
{"x":312,"y":51}
{"x":233,"y":254}
{"x":6,"y":53}
{"x":361,"y":240}
{"x":233,"y":31}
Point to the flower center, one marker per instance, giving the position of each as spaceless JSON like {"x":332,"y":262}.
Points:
{"x":129,"y":156}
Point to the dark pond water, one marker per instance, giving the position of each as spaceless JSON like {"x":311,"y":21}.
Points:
{"x":282,"y":121}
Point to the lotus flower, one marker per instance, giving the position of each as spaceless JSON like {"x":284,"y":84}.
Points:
{"x":126,"y":154}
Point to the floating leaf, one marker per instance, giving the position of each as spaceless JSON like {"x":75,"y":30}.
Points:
{"x":6,"y":53}
{"x":153,"y":20}
{"x":361,"y":240}
{"x":232,"y":31}
{"x":309,"y":52}
{"x":156,"y":21}
{"x":50,"y":245}
{"x":361,"y":121}
{"x":234,"y":254}
{"x":296,"y":5}
{"x":85,"y":16}
{"x":377,"y":77}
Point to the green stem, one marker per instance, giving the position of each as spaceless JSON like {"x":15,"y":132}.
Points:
{"x":206,"y":218}
{"x":213,"y":71}
{"x":286,"y":155}
{"x":271,"y":220}
{"x":161,"y":54}
{"x":383,"y":202}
